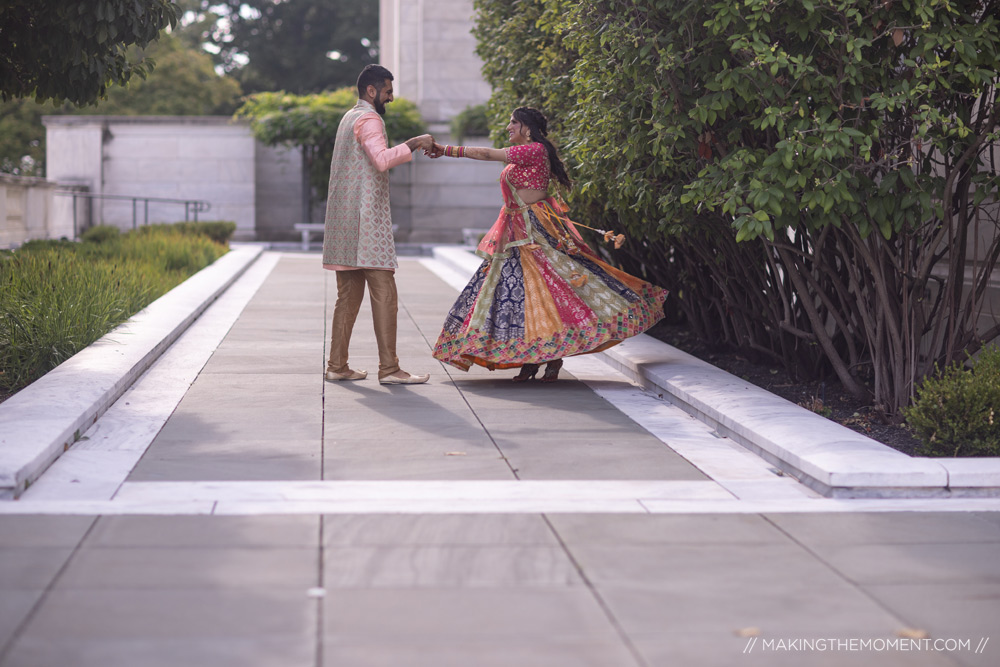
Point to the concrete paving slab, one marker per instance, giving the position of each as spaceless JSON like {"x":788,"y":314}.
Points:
{"x":412,"y":414}
{"x":480,"y":566}
{"x":196,"y":568}
{"x":242,"y":424}
{"x":790,"y":607}
{"x":428,"y":468}
{"x":261,"y":358}
{"x":450,"y":435}
{"x":30,"y":568}
{"x":954,"y":610}
{"x":706,"y":529}
{"x":704,"y":566}
{"x":916,"y":563}
{"x":43,"y":531}
{"x":437,"y":530}
{"x":461,"y":615}
{"x":554,"y":421}
{"x":226,"y":468}
{"x":590,"y":460}
{"x":88,"y":615}
{"x":223,"y":459}
{"x":205,"y":531}
{"x":725,"y":649}
{"x":227,"y":652}
{"x":555,"y":652}
{"x":15,"y":605}
{"x":909,"y":528}
{"x":344,"y":447}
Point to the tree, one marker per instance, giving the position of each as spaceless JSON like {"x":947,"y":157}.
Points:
{"x":68,"y":50}
{"x":300,"y":46}
{"x":814,"y":179}
{"x":22,"y":138}
{"x":311,"y":122}
{"x":184,"y":83}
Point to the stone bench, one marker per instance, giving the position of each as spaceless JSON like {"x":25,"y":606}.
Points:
{"x":307,"y":228}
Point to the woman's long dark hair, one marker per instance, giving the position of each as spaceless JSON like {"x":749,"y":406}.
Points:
{"x":537,"y":126}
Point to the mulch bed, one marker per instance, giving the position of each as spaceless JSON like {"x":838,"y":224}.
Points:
{"x":826,"y":398}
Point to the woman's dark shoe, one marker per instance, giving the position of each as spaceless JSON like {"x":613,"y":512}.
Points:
{"x":552,"y":371}
{"x":528,"y":371}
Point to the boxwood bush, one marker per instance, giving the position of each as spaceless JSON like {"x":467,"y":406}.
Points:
{"x":957,"y":410}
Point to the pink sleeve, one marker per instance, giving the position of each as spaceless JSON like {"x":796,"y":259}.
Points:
{"x":526,"y":154}
{"x":368,"y":131}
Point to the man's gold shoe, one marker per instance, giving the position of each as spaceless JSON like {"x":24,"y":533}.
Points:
{"x":409,"y":379}
{"x":349,"y":375}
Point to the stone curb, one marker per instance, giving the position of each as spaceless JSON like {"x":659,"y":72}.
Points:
{"x":826,"y":456}
{"x":41,"y":421}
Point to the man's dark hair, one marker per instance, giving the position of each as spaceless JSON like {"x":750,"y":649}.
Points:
{"x":373,"y":75}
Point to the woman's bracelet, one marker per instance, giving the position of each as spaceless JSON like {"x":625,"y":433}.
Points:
{"x":454,"y":151}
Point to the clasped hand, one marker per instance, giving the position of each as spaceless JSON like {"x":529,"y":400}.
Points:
{"x":426,"y":143}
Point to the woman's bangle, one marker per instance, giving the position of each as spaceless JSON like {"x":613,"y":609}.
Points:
{"x":454,"y":151}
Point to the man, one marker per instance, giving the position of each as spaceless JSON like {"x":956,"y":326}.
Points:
{"x":357,"y":241}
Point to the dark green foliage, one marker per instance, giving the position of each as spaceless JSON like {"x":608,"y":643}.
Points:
{"x":101,"y":234}
{"x":808,"y":178}
{"x":71,"y":50}
{"x":58,"y":297}
{"x":22,"y":137}
{"x":472,"y":121}
{"x":183,"y":84}
{"x":957,"y":411}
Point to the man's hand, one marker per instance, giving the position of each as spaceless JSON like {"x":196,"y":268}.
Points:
{"x":436,"y":151}
{"x":424,"y":142}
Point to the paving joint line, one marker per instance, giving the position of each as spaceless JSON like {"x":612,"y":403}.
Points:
{"x":33,"y":612}
{"x":903,"y":623}
{"x":601,"y":602}
{"x":447,"y":371}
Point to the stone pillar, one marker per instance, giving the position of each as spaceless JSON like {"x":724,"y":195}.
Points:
{"x":429,"y":48}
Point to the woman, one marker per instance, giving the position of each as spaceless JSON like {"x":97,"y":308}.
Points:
{"x":542,"y":294}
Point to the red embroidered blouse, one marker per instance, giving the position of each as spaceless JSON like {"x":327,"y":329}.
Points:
{"x":527,"y":166}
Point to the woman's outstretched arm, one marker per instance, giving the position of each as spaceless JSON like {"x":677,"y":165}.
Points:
{"x":472,"y":152}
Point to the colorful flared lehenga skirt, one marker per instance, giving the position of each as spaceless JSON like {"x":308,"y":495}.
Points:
{"x":545,"y":296}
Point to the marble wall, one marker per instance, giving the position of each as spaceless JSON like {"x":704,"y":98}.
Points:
{"x":29,"y":210}
{"x":429,"y":48}
{"x":192,"y":158}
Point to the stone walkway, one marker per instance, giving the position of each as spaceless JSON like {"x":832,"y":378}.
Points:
{"x":234,"y":509}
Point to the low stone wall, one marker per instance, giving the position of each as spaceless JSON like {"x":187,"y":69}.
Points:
{"x":30,"y":209}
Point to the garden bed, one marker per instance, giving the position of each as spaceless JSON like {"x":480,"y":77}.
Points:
{"x":825,"y":398}
{"x":58,"y":297}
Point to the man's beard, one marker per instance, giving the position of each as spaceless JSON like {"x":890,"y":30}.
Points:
{"x":379,"y":107}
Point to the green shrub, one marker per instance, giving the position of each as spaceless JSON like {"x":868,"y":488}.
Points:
{"x":100,"y":234}
{"x":58,"y":297}
{"x":220,"y":231}
{"x":957,"y":411}
{"x":473,"y":121}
